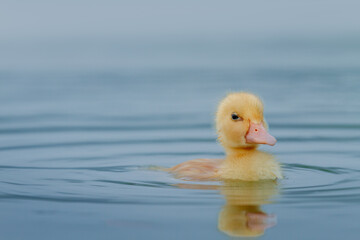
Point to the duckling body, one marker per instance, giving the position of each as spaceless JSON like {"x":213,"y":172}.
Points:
{"x":241,"y":127}
{"x":250,"y":165}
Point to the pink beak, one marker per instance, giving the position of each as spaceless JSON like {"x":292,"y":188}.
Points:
{"x":258,"y":134}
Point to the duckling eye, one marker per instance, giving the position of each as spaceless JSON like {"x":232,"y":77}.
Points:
{"x":236,"y":117}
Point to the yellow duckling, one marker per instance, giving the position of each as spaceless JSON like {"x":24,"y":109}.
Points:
{"x":241,"y":127}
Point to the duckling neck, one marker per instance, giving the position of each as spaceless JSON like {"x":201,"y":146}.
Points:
{"x":232,"y":153}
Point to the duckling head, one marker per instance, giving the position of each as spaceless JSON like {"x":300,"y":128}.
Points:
{"x":240,"y":122}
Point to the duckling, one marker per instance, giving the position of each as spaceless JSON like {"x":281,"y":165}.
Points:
{"x":241,"y":127}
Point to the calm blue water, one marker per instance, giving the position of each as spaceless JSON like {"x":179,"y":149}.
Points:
{"x":83,"y":120}
{"x":75,"y":148}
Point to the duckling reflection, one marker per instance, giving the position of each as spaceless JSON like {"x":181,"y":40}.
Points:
{"x":242,"y":215}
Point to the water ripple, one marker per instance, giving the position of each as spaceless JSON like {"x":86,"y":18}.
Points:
{"x":101,"y":143}
{"x":334,"y":170}
{"x":163,"y":126}
{"x":165,"y":141}
{"x":102,"y":169}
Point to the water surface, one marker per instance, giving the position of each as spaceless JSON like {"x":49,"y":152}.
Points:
{"x":76,"y":145}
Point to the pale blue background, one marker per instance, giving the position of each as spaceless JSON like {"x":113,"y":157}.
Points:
{"x":93,"y":92}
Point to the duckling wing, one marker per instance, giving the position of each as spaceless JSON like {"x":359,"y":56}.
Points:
{"x":197,"y":169}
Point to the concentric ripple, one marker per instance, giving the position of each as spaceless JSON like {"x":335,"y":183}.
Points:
{"x":102,"y":162}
